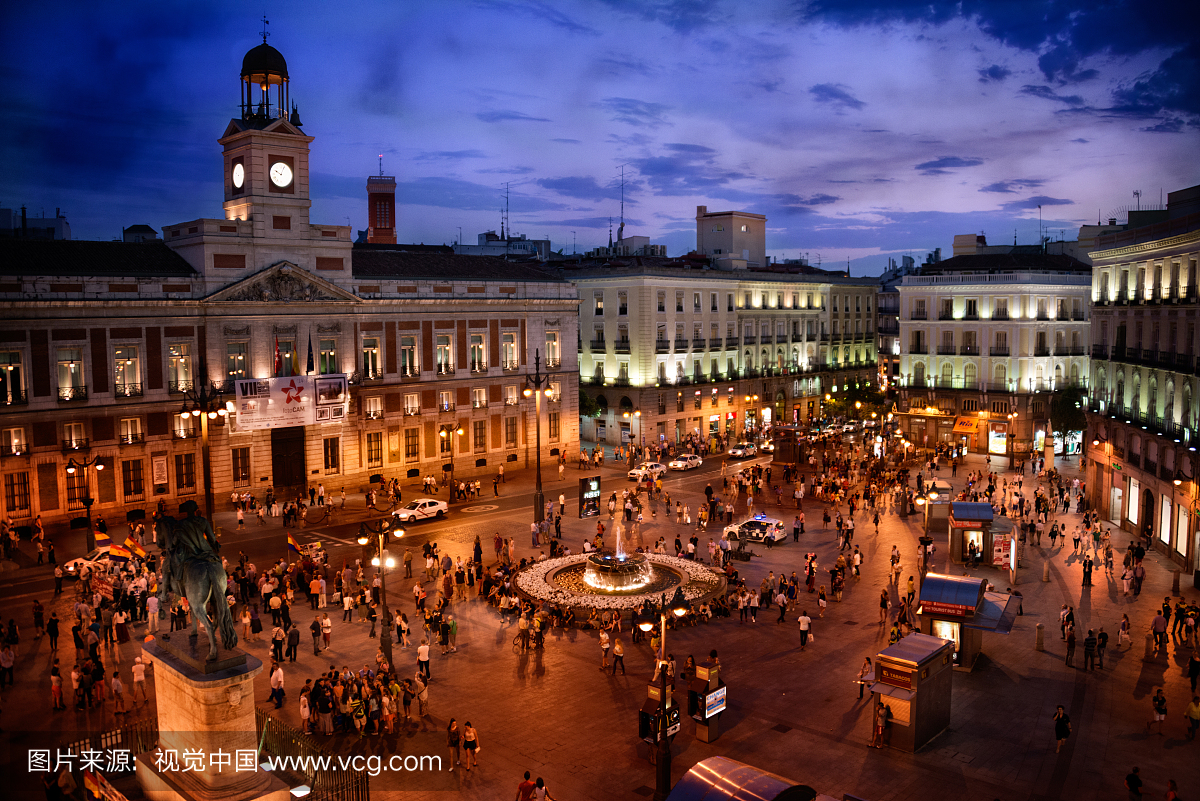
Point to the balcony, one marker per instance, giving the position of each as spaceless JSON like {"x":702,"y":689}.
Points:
{"x":998,"y":388}
{"x":662,"y":346}
{"x":621,"y":346}
{"x":412,"y":411}
{"x":512,"y":365}
{"x":479,"y":367}
{"x":1100,"y":352}
{"x":971,"y":316}
{"x":1150,"y":466}
{"x":1149,"y":356}
{"x":681,"y":345}
{"x":1078,"y":317}
{"x":621,"y":381}
{"x":16,"y":397}
{"x":1078,"y":350}
{"x":76,"y":444}
{"x":824,"y":336}
{"x":1000,"y":314}
{"x":699,"y":344}
{"x":731,"y":342}
{"x":445,"y":369}
{"x":553,"y":364}
{"x":716,"y":343}
{"x":918,"y":350}
{"x":1042,"y":351}
{"x":446,"y":407}
{"x":946,"y":350}
{"x":918,"y":315}
{"x":180,"y":387}
{"x":14,"y":450}
{"x":410,"y":373}
{"x":185,"y":433}
{"x":946,"y":315}
{"x":478,"y":404}
{"x":132,"y":439}
{"x":998,"y":350}
{"x":749,"y":340}
{"x":968,"y":350}
{"x":127,"y":390}
{"x":66,"y":394}
{"x":597,"y":345}
{"x":1043,"y":317}
{"x":1183,"y":362}
{"x":371,"y":374}
{"x":766,"y":339}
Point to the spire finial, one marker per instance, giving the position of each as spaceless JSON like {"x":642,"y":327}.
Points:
{"x":380,"y":165}
{"x":265,"y":33}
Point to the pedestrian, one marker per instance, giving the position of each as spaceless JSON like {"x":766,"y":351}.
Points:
{"x":293,"y":643}
{"x":1089,"y":651}
{"x":139,"y":680}
{"x":1159,"y":704}
{"x":118,"y":690}
{"x":525,"y":789}
{"x":1133,"y":783}
{"x":1062,"y":727}
{"x":277,"y":693}
{"x":604,"y":646}
{"x":618,"y":656}
{"x":314,"y":629}
{"x":1101,"y":645}
{"x":470,"y":745}
{"x":1192,"y":716}
{"x":454,"y":743}
{"x":1070,"y":661}
{"x":423,"y":658}
{"x":864,"y":673}
{"x":805,"y":628}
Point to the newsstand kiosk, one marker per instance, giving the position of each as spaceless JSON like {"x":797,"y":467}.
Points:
{"x":913,"y":680}
{"x":959,"y":609}
{"x":706,"y":701}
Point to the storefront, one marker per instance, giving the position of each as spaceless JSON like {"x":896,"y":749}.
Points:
{"x":998,"y":439}
{"x":966,"y":431}
{"x":731,"y":424}
{"x":714,"y":425}
{"x":970,"y":524}
{"x":960,"y":609}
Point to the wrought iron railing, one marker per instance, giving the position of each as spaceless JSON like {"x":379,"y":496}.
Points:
{"x":312,"y":762}
{"x":72,"y":393}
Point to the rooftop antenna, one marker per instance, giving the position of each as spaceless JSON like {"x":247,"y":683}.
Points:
{"x":1041,"y":235}
{"x":621,"y":229}
{"x":380,"y":165}
{"x":1137,"y":195}
{"x":572,"y":243}
{"x":506,"y":222}
{"x":610,"y":234}
{"x":265,"y":33}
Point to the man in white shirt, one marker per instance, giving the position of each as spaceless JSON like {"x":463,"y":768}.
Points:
{"x":152,"y":614}
{"x":277,"y":684}
{"x":423,"y":659}
{"x":805,"y":627}
{"x":139,"y":679}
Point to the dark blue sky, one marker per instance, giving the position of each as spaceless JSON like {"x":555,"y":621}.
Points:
{"x":861,"y":129}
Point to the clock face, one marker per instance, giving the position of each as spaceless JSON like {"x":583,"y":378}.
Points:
{"x":281,"y":174}
{"x":239,"y":176}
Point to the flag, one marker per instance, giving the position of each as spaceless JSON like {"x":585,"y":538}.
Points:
{"x":295,"y":364}
{"x":118,"y":553}
{"x":278,"y":358}
{"x":103,"y":540}
{"x":134,"y":548}
{"x":292,"y":544}
{"x":311,"y":368}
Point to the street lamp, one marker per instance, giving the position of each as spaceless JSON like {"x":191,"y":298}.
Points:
{"x":646,"y":620}
{"x":87,"y":500}
{"x":533,"y":386}
{"x":383,"y":560}
{"x":206,"y":402}
{"x":636,"y":414}
{"x":444,"y":433}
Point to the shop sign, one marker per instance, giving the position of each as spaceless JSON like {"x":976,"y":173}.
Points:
{"x":895,"y":677}
{"x":939,"y":608}
{"x":1117,"y":466}
{"x":714,"y":702}
{"x":291,"y":401}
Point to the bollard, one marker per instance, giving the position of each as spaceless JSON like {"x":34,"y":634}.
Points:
{"x":1149,"y":655}
{"x":1175,"y":583}
{"x":1040,"y":643}
{"x":1045,"y":571}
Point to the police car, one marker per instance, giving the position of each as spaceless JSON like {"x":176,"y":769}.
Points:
{"x":651,"y":469}
{"x":97,"y":560}
{"x":687,"y":461}
{"x":759,"y":528}
{"x":421,"y":509}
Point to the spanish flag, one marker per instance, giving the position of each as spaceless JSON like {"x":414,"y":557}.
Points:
{"x":102,"y":539}
{"x":293,"y":545}
{"x":118,"y":553}
{"x":134,"y":548}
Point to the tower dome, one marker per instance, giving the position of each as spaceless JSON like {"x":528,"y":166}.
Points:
{"x":264,"y":68}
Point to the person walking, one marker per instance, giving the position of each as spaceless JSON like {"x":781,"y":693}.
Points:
{"x":314,"y":629}
{"x":293,"y":643}
{"x":277,"y":684}
{"x":471,"y":745}
{"x":805,"y":628}
{"x":618,"y":656}
{"x":1192,"y":716}
{"x":1070,"y":661}
{"x":423,"y":659}
{"x":604,"y":646}
{"x":865,"y":671}
{"x":1062,"y":727}
{"x":1159,"y":714}
{"x":1089,"y":651}
{"x":1133,"y":783}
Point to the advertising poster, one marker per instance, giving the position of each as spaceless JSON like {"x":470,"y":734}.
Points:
{"x":297,"y":400}
{"x":589,"y":496}
{"x":714,"y":702}
{"x":158,"y":469}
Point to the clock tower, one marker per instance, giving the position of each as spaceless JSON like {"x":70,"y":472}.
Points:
{"x":266,"y":154}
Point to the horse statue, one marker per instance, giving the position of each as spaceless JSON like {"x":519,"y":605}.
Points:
{"x":192,"y":568}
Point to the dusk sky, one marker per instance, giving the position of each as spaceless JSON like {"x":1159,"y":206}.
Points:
{"x":861,"y":129}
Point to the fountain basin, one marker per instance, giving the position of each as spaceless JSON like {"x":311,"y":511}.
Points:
{"x":610,"y":572}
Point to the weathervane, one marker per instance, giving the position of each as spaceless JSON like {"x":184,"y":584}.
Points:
{"x":265,"y":33}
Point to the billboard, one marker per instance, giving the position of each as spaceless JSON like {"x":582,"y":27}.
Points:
{"x":589,"y":496}
{"x":299,"y":400}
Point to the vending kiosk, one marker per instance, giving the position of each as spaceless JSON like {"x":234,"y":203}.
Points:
{"x":960,"y":609}
{"x":706,"y":701}
{"x":913,"y":680}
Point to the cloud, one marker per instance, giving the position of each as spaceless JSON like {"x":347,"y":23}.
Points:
{"x":945,"y":164}
{"x":1081,"y":141}
{"x":685,"y":169}
{"x":1046,"y":93}
{"x":567,"y":141}
{"x":506,"y":171}
{"x":1173,"y":125}
{"x":449,"y":155}
{"x":1012,"y":186}
{"x":507,"y":116}
{"x":1174,"y":86}
{"x":634,"y":112}
{"x":994,"y":73}
{"x":452,"y":193}
{"x":622,"y":66}
{"x":681,"y":16}
{"x":542,"y":12}
{"x":835,"y":94}
{"x":589,"y":222}
{"x":1034,"y":202}
{"x":582,"y":187}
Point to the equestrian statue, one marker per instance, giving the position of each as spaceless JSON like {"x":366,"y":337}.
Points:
{"x":192,"y":568}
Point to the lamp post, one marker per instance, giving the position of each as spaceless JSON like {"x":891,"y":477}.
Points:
{"x":645,"y":621}
{"x":636,"y":414}
{"x":444,"y":432}
{"x":206,"y":402}
{"x":1011,"y":445}
{"x":533,"y":386}
{"x":87,"y":500}
{"x":383,"y":560}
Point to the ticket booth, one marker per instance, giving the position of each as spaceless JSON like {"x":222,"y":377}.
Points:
{"x":970,"y":523}
{"x":706,"y":701}
{"x":959,"y":609}
{"x":913,"y":680}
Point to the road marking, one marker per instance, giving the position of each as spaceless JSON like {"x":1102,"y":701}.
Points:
{"x":484,"y":508}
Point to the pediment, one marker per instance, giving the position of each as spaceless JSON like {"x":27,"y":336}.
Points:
{"x":283,"y":282}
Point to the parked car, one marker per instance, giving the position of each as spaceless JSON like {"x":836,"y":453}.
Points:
{"x":688,"y":461}
{"x":759,"y":528}
{"x":652,"y":469}
{"x":97,"y":560}
{"x":743,"y":450}
{"x":421,"y":509}
{"x":767,"y":447}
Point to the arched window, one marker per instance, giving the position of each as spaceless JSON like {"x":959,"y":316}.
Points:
{"x":919,"y":374}
{"x":947,"y":375}
{"x":1186,"y":415}
{"x":1075,"y":375}
{"x":1152,"y":399}
{"x":969,"y":375}
{"x":1058,"y":376}
{"x":1169,"y":403}
{"x":1001,"y":373}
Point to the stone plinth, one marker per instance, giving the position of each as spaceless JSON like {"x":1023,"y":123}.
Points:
{"x":205,"y":713}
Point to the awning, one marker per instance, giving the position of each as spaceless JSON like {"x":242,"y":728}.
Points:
{"x":966,"y":425}
{"x":956,"y":596}
{"x":894,"y":692}
{"x":997,"y":612}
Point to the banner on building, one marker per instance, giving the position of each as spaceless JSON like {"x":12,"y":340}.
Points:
{"x":297,"y":400}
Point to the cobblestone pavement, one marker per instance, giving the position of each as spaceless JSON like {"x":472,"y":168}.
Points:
{"x":791,"y":712}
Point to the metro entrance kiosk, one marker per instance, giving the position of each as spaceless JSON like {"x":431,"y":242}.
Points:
{"x":970,"y":522}
{"x":959,"y":609}
{"x":913,"y":680}
{"x":706,"y":701}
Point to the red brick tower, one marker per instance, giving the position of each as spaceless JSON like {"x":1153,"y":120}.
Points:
{"x":381,"y":209}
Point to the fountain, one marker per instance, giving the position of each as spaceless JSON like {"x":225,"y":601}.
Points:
{"x":610,"y":571}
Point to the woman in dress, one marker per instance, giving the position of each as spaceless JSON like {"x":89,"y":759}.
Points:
{"x":471,"y":744}
{"x":304,"y":711}
{"x":453,"y":735}
{"x":122,"y":626}
{"x":246,"y":624}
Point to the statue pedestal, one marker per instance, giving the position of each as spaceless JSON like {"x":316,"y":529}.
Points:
{"x":206,"y":713}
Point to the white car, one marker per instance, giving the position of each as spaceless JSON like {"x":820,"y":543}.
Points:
{"x":759,"y":528}
{"x":686,"y":462}
{"x":97,"y":560}
{"x":421,"y":509}
{"x":767,"y":447}
{"x":743,"y":450}
{"x":652,"y":469}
